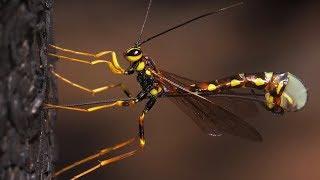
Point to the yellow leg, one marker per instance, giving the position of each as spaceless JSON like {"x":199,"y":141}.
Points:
{"x":102,"y":152}
{"x":142,"y":140}
{"x":92,"y":91}
{"x":99,"y":154}
{"x":106,"y":162}
{"x":113,"y":64}
{"x":95,"y":108}
{"x":142,"y":143}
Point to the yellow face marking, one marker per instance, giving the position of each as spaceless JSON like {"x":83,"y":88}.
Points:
{"x":211,"y":87}
{"x":268,"y":76}
{"x":148,"y":72}
{"x":269,"y":101}
{"x":159,"y":89}
{"x":235,"y":82}
{"x":279,"y":87}
{"x":141,"y":66}
{"x":153,"y":92}
{"x":134,"y":58}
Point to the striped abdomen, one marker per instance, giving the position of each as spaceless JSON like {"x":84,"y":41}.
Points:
{"x":283,"y":91}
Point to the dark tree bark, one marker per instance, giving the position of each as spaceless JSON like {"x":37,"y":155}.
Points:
{"x":26,"y":135}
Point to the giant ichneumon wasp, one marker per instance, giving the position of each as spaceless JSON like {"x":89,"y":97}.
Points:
{"x":277,"y":92}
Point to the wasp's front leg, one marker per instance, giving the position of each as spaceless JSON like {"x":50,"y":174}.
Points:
{"x":113,"y":64}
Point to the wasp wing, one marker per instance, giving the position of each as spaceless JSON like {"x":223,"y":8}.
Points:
{"x":215,"y":120}
{"x":210,"y":117}
{"x":244,"y":104}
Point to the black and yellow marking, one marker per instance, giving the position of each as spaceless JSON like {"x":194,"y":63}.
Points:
{"x":148,"y":73}
{"x":211,"y":87}
{"x":235,"y":82}
{"x":273,"y":84}
{"x":154,"y":92}
{"x":259,"y":81}
{"x":269,"y":100}
{"x":141,"y":65}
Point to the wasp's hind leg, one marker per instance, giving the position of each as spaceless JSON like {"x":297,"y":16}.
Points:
{"x":142,"y":143}
{"x":113,"y":64}
{"x":103,"y":162}
{"x":99,"y":154}
{"x":149,"y":105}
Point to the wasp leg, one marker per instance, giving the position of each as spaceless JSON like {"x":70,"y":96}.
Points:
{"x":93,"y":91}
{"x":92,"y":157}
{"x":94,"y":108}
{"x":113,"y":64}
{"x":142,"y":143}
{"x":121,"y":103}
{"x":148,"y":106}
{"x":106,"y":162}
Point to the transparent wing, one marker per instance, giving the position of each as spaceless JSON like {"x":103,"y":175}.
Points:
{"x":215,"y":120}
{"x":212,"y":118}
{"x":178,"y":79}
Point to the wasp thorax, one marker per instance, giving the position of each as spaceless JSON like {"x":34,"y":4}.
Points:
{"x":133,"y":54}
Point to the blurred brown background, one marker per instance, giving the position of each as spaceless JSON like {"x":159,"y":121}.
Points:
{"x":260,"y":36}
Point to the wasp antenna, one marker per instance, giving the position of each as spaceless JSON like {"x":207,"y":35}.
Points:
{"x":143,"y":24}
{"x":192,"y":20}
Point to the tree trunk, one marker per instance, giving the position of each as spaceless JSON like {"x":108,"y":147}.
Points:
{"x":26,"y":135}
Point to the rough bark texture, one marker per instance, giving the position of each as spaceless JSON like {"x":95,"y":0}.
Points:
{"x":26,"y":135}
